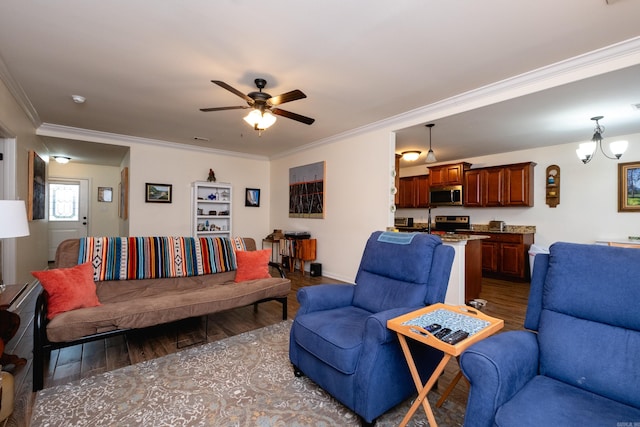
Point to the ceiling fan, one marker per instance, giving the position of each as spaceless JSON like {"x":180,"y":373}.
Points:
{"x":262,"y":104}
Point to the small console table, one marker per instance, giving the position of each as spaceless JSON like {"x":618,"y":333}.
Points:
{"x":10,"y":322}
{"x":298,"y":249}
{"x":412,"y":325}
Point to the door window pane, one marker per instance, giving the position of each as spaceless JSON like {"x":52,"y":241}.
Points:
{"x":63,"y":202}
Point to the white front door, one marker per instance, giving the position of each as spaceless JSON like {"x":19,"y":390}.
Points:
{"x":68,"y":211}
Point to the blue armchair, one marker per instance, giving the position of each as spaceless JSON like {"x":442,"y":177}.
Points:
{"x":579,"y":365}
{"x":339,"y":337}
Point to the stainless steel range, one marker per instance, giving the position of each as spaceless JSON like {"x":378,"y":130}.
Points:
{"x":450,"y":224}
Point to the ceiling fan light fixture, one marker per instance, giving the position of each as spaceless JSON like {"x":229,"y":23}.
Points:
{"x":260,"y":120}
{"x":410,"y":156}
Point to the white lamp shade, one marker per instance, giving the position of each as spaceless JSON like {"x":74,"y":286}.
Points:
{"x":618,"y":147}
{"x":586,"y":150}
{"x":13,"y":219}
{"x":431,"y":157}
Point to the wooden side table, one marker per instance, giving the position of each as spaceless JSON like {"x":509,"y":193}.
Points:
{"x":9,"y":322}
{"x":411,"y":325}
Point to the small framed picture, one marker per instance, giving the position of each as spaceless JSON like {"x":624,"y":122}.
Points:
{"x":629,"y":187}
{"x":105,"y":194}
{"x":252,"y":197}
{"x":157,"y":193}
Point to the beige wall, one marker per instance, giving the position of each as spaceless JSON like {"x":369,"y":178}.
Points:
{"x":31,"y":251}
{"x":103,"y":216}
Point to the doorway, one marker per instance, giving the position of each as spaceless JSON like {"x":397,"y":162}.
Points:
{"x":68,"y":211}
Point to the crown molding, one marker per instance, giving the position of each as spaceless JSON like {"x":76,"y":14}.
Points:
{"x":59,"y":131}
{"x":610,"y":58}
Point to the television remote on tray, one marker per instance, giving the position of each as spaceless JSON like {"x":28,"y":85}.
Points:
{"x":433,"y":327}
{"x":455,"y":337}
{"x":442,"y":333}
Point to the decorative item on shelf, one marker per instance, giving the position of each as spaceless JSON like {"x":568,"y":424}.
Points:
{"x":431,"y":157}
{"x":212,"y":213}
{"x":211,"y":196}
{"x":587,"y":150}
{"x":552,"y":186}
{"x":200,"y":212}
{"x":223,"y":213}
{"x":212,"y":176}
{"x":225,"y":196}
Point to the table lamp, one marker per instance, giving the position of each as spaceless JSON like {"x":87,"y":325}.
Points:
{"x":13,"y":221}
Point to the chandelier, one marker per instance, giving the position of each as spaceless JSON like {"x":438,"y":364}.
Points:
{"x":587,"y":150}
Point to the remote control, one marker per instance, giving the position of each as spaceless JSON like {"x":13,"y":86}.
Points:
{"x":442,"y":332}
{"x":433,"y":327}
{"x":455,"y":337}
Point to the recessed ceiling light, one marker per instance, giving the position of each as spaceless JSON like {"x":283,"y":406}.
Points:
{"x":78,"y":99}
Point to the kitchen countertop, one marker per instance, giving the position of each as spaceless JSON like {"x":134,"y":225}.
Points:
{"x":461,"y":237}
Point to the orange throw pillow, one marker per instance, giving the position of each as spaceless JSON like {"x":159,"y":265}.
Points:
{"x":68,"y":288}
{"x":252,"y":265}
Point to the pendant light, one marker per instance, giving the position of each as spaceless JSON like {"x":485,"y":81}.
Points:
{"x":587,"y":150}
{"x":431,"y":157}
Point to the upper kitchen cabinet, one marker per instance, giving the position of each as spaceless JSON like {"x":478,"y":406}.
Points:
{"x":507,"y":185}
{"x":452,"y":174}
{"x":518,"y":180}
{"x":413,"y":192}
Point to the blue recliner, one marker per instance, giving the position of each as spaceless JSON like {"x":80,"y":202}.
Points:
{"x":339,"y":337}
{"x":582,"y":367}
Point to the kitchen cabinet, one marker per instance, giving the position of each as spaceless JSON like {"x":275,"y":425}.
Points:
{"x":506,"y":255}
{"x":452,"y":174}
{"x":413,"y":192}
{"x":507,"y":185}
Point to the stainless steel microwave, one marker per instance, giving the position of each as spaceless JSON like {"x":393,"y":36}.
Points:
{"x":446,"y":196}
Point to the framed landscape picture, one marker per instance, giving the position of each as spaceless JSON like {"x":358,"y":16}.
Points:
{"x":158,"y":193}
{"x":629,"y":187}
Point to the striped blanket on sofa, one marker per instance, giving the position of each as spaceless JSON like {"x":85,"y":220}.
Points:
{"x":128,"y":258}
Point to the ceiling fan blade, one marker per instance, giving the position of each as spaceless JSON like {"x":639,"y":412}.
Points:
{"x":286,"y":97}
{"x":224,"y":108}
{"x":293,"y":116}
{"x":233,"y":90}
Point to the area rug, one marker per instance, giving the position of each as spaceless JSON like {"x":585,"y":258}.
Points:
{"x":245,"y":380}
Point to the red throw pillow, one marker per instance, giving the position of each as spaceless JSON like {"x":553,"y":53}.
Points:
{"x":68,"y":288}
{"x":252,"y":265}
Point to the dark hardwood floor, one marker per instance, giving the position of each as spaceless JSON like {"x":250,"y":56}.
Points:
{"x":506,"y":300}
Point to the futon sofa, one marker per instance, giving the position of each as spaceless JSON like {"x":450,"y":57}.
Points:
{"x":146,"y":281}
{"x":579,"y":363}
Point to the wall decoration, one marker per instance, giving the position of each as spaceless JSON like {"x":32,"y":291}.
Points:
{"x":252,"y":197}
{"x":306,"y":191}
{"x":124,"y":193}
{"x":105,"y":194}
{"x":157,"y":193}
{"x":629,"y":187}
{"x":37,"y":187}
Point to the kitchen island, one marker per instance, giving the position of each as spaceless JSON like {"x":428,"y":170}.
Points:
{"x":465,"y":282}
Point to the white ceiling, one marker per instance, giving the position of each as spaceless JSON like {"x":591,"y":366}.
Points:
{"x":145,"y":68}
